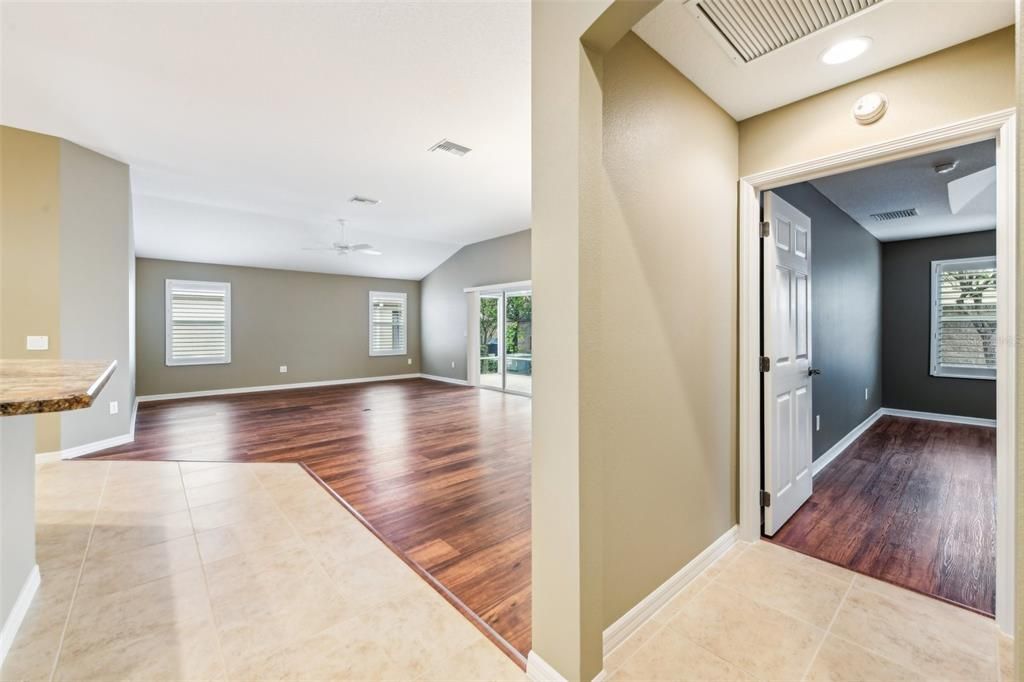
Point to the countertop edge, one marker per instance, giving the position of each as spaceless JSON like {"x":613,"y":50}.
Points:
{"x":63,"y":403}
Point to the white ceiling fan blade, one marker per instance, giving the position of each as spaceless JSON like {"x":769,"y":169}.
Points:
{"x":360,"y":247}
{"x":974,"y":193}
{"x":370,"y":252}
{"x":319,"y":248}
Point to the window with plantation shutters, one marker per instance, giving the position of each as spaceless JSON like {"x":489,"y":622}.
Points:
{"x":387,"y":323}
{"x":964,"y":318}
{"x":198,"y":322}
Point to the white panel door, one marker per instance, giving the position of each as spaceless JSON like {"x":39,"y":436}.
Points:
{"x":787,"y":345}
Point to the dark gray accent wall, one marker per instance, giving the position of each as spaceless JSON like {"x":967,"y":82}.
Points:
{"x":444,"y":313}
{"x":846,"y":316}
{"x":906,"y":321}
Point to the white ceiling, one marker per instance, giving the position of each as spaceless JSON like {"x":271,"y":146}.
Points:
{"x":249,"y":126}
{"x":902,"y":30}
{"x":913,"y":183}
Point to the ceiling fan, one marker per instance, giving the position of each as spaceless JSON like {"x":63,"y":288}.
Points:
{"x":343,"y":247}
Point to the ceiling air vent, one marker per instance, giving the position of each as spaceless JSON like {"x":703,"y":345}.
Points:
{"x":366,"y":201}
{"x":749,"y":29}
{"x":450,"y":147}
{"x":894,"y":215}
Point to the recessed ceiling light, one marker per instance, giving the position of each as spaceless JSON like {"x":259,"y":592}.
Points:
{"x":845,"y":50}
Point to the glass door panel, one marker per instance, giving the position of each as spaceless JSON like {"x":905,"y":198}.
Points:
{"x":490,"y":335}
{"x":518,"y":337}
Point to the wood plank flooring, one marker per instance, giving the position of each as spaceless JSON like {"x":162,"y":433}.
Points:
{"x":911,"y":502}
{"x":441,"y":472}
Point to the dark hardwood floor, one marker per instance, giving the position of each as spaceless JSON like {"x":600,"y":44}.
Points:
{"x":913,"y":503}
{"x":440,"y":472}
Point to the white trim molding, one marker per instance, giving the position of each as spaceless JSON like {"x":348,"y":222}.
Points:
{"x":539,"y":670}
{"x":447,"y":380}
{"x":845,"y":442}
{"x":525,"y":284}
{"x":1000,"y":126}
{"x":936,"y":417}
{"x":272,"y":387}
{"x":619,"y":631}
{"x":18,"y":612}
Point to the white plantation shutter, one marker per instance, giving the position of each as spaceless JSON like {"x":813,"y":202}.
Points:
{"x":387,"y":323}
{"x":198,"y":322}
{"x":964,"y":318}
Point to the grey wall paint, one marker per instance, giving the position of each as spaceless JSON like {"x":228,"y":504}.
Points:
{"x":96,"y":281}
{"x":315,"y":324}
{"x":495,"y":261}
{"x":17,"y":507}
{"x":846,"y":316}
{"x":906,"y":323}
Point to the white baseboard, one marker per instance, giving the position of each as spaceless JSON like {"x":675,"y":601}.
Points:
{"x":933,"y":416}
{"x":845,"y":442}
{"x":539,"y":670}
{"x":616,"y":633}
{"x":95,"y":446}
{"x":273,"y":387}
{"x":18,"y":612}
{"x":434,"y":377}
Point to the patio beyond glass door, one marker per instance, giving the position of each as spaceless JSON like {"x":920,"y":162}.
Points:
{"x":506,"y":341}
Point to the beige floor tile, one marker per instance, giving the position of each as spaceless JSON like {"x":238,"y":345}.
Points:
{"x":842,"y":661}
{"x":217,"y":474}
{"x":479,"y":661}
{"x":251,"y":508}
{"x":271,"y":474}
{"x":62,"y":538}
{"x":343,"y":541}
{"x":374,"y":578}
{"x":246,"y":536}
{"x":669,"y":611}
{"x":668,"y":656}
{"x":160,"y":630}
{"x":919,"y":633}
{"x":755,"y":638}
{"x":34,"y":651}
{"x":192,"y":467}
{"x":130,"y":499}
{"x":785,"y":583}
{"x":643,"y":634}
{"x":242,"y":485}
{"x":121,"y":531}
{"x":724,"y":560}
{"x":1006,"y":662}
{"x":831,"y":570}
{"x":116,"y":572}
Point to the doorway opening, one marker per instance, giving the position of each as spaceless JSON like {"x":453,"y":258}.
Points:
{"x":859,"y":475}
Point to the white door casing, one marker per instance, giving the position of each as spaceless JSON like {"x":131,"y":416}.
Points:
{"x":787,"y":345}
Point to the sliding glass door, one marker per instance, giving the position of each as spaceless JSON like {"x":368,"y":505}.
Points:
{"x":506,"y":341}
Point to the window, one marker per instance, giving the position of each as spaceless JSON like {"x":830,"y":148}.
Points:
{"x":387,"y":323}
{"x":964,"y":318}
{"x":198,"y":322}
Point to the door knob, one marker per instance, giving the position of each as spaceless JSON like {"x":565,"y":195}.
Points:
{"x":811,"y":371}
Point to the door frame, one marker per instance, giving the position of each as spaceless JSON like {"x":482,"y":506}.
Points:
{"x":1000,"y":126}
{"x":473,"y":331}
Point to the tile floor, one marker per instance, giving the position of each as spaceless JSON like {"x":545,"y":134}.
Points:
{"x":763,"y":612}
{"x":160,"y":570}
{"x":155,"y":570}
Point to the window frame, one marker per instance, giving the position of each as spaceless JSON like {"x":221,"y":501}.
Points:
{"x":948,"y":371}
{"x":404,"y":350}
{"x":173,"y":285}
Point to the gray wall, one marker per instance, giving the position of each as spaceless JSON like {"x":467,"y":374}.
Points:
{"x":495,"y":261}
{"x":906,"y":323}
{"x":846,"y":316}
{"x":17,"y":508}
{"x":316,"y":324}
{"x":96,"y":282}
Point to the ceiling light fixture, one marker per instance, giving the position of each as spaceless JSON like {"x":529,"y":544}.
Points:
{"x":845,"y":50}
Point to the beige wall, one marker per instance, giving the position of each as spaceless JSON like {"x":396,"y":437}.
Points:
{"x":315,"y":324}
{"x":964,"y":81}
{"x":30,"y":285}
{"x":1019,"y":544}
{"x":663,"y":409}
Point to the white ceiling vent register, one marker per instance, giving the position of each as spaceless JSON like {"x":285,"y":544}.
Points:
{"x":447,"y":145}
{"x":749,"y":29}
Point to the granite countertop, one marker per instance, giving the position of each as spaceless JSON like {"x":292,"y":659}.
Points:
{"x":36,"y":386}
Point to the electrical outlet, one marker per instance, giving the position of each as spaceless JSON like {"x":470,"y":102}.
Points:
{"x":453,"y":364}
{"x":282,"y":369}
{"x":865,"y":394}
{"x":408,"y":361}
{"x":37,"y":343}
{"x":817,"y":422}
{"x":113,"y":407}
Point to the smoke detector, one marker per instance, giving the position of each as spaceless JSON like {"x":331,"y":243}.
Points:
{"x":447,"y":145}
{"x":366,"y":201}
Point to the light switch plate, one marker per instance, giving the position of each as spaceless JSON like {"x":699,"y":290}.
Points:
{"x":113,"y":407}
{"x":408,"y":361}
{"x":37,"y":343}
{"x":453,"y":364}
{"x":283,"y":369}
